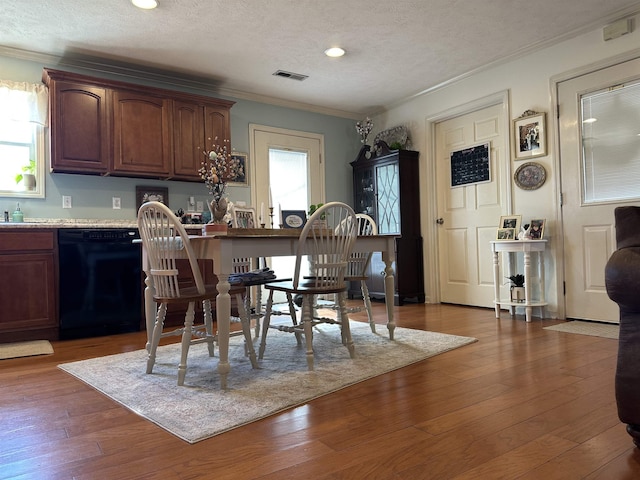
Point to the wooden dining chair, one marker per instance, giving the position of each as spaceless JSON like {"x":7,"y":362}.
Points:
{"x":358,"y":266}
{"x":166,"y":241}
{"x":327,"y":249}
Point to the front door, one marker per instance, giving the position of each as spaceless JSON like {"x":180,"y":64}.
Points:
{"x":469,"y":214}
{"x":600,"y":170}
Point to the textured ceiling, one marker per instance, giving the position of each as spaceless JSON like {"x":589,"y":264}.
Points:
{"x":395,"y":48}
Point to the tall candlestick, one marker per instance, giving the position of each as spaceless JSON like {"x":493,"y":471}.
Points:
{"x":270,"y":198}
{"x":279,"y":214}
{"x":262,"y":217}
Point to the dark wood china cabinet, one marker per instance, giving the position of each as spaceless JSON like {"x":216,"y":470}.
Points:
{"x":386,"y":186}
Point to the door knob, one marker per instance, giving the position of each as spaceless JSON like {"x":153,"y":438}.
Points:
{"x":440,"y":221}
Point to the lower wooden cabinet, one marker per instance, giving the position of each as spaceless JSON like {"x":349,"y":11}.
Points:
{"x":29,"y":285}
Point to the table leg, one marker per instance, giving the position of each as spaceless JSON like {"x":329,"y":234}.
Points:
{"x":389,"y":286}
{"x":527,"y":286}
{"x":223,"y":319}
{"x":496,"y":282}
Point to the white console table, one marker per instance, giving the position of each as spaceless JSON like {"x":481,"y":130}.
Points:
{"x":526,"y":247}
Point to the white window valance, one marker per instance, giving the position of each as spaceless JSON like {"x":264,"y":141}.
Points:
{"x":23,"y":102}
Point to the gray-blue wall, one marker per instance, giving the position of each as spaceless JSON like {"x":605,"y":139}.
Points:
{"x":92,"y":194}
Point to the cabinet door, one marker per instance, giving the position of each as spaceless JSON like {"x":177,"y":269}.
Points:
{"x":28,"y":296}
{"x":188,"y":140}
{"x":364,"y":190}
{"x":79,"y":128}
{"x":142,"y":134}
{"x":388,"y":198}
{"x":216,"y":124}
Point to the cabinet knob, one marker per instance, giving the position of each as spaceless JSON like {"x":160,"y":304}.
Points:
{"x":440,"y":221}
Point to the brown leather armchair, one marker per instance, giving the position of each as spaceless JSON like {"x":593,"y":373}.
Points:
{"x":622,"y":278}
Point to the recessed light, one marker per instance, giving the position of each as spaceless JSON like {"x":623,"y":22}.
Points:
{"x":334,"y":52}
{"x":145,"y":4}
{"x":590,"y":120}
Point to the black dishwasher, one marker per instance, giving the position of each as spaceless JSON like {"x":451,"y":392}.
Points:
{"x":100,"y":282}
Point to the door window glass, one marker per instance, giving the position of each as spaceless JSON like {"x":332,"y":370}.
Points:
{"x":610,"y":128}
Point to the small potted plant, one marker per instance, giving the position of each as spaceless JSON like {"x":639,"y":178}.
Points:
{"x":28,"y":175}
{"x":517,"y":288}
{"x":322,"y":223}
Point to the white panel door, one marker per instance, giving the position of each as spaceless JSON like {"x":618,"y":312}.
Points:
{"x":469,"y":214}
{"x":588,"y":228}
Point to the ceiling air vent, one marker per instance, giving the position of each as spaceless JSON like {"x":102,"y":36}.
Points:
{"x":291,"y":75}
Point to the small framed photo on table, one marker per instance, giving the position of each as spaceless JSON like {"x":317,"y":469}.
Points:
{"x":506,"y":234}
{"x":536,"y":231}
{"x":293,"y":218}
{"x":244,"y":218}
{"x":510,"y":221}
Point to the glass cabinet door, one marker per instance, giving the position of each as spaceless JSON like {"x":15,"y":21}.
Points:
{"x":388,"y":193}
{"x":365,"y":192}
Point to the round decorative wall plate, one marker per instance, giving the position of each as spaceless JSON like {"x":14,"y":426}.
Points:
{"x":530,"y":176}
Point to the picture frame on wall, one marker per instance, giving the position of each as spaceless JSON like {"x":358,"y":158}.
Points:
{"x":243,"y":217}
{"x":242,"y":160}
{"x":529,"y":131}
{"x":150,"y":194}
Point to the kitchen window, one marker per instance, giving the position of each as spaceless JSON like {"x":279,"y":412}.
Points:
{"x":23,"y":115}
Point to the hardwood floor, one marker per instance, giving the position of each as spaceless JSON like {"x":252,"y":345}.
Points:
{"x":521,"y":403}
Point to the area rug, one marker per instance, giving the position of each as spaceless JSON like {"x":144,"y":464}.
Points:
{"x":199,"y":409}
{"x":25,"y":349}
{"x":595,"y":329}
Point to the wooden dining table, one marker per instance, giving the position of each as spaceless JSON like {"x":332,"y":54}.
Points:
{"x":241,"y":243}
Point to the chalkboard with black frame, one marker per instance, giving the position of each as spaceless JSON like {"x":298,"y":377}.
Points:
{"x":471,"y":165}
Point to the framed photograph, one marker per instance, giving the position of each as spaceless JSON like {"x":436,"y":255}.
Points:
{"x":244,"y":218}
{"x":536,"y":231}
{"x":510,"y":221}
{"x":293,"y":218}
{"x":151,"y":194}
{"x":242,"y":161}
{"x":529,"y":135}
{"x":506,"y":234}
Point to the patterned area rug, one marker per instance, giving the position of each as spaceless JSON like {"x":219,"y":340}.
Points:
{"x":594,"y":329}
{"x":199,"y":409}
{"x":25,"y":349}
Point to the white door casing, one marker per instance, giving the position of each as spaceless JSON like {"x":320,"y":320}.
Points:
{"x":588,"y":229}
{"x":261,"y":138}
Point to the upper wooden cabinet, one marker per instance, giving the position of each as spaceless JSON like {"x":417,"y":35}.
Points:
{"x":80,"y":133}
{"x":195,"y":127}
{"x":107,"y":127}
{"x":141,"y":134}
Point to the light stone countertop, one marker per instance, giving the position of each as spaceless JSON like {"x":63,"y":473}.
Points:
{"x":78,"y":223}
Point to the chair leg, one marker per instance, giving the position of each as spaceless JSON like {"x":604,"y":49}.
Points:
{"x":345,"y":327}
{"x":294,"y":318}
{"x":208,"y":325}
{"x":307,"y":323}
{"x":245,"y":321}
{"x":258,"y":309}
{"x":265,"y":325}
{"x":155,"y":336}
{"x":367,"y":304}
{"x":187,"y":335}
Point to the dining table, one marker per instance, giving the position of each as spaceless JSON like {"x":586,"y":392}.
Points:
{"x":223,"y":247}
